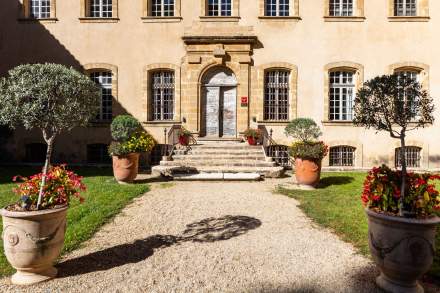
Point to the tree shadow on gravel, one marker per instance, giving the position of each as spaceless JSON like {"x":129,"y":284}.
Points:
{"x":207,"y":230}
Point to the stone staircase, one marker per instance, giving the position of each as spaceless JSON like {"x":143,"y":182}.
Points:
{"x":219,"y":160}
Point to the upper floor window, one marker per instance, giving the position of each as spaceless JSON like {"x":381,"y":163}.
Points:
{"x":101,"y":8}
{"x":412,"y":155}
{"x":405,"y":7}
{"x":276,"y":8}
{"x":162,"y":8}
{"x":40,"y":9}
{"x":104,"y":79}
{"x":219,"y":8}
{"x":341,"y":95}
{"x":276,"y":95}
{"x":162,"y":85}
{"x":341,"y":8}
{"x":342,"y":156}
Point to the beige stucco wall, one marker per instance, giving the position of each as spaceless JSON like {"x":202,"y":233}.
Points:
{"x":307,"y":43}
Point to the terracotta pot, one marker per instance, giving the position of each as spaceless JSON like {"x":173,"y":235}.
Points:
{"x":402,"y":248}
{"x":252,"y":140}
{"x":307,"y":172}
{"x":32,"y":242}
{"x":184,"y":140}
{"x":125,"y":168}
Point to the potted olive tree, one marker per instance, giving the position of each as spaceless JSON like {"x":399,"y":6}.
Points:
{"x":307,"y":150}
{"x":52,"y":98}
{"x":399,"y":204}
{"x":130,"y":139}
{"x":252,"y":135}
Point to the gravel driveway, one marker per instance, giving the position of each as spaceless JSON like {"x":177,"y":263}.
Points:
{"x":212,"y":237}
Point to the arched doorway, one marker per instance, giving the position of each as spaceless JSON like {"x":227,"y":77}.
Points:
{"x":219,"y":103}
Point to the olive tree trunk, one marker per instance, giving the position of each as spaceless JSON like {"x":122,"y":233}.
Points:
{"x":49,"y":142}
{"x":404,"y":172}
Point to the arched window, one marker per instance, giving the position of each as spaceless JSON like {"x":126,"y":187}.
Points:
{"x":412,"y":155}
{"x":104,"y":79}
{"x":35,"y":152}
{"x":97,"y":154}
{"x":276,"y":94}
{"x":341,"y":95}
{"x":342,"y":156}
{"x":162,"y":95}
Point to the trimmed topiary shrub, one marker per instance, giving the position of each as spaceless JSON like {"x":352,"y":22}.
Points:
{"x":124,"y":126}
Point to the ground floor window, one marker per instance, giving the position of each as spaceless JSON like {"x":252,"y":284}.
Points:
{"x":276,"y":95}
{"x":342,"y":156}
{"x":97,"y":154}
{"x":412,"y":155}
{"x":35,"y":152}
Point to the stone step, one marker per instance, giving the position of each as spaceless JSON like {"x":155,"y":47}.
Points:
{"x":218,"y":177}
{"x":206,"y":152}
{"x":256,"y":157}
{"x":270,"y":172}
{"x":227,"y":163}
{"x":232,"y":146}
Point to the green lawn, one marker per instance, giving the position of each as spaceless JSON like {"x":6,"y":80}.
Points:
{"x":336,"y":204}
{"x":104,"y":199}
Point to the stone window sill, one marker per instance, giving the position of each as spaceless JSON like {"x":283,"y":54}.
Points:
{"x":161,"y":19}
{"x":338,"y":123}
{"x":98,"y":19}
{"x":408,"y":18}
{"x":40,"y":20}
{"x":219,"y":18}
{"x":279,"y":18}
{"x":271,"y":122}
{"x":161,"y":123}
{"x":344,"y":18}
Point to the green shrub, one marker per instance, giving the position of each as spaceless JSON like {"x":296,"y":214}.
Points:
{"x":309,"y":150}
{"x":123,"y":127}
{"x":303,"y":129}
{"x":139,"y":142}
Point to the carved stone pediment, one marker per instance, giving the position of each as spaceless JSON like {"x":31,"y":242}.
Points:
{"x":219,"y":33}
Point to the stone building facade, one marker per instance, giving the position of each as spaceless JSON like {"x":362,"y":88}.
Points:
{"x":217,"y":67}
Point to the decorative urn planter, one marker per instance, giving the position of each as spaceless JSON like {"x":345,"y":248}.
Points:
{"x":251,"y":140}
{"x":125,"y":168}
{"x":32,"y":242}
{"x":307,"y":172}
{"x":184,"y":140}
{"x":402,"y":248}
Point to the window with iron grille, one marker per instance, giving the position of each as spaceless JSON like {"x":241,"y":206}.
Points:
{"x":405,"y":7}
{"x":39,"y":8}
{"x":104,"y":79}
{"x":342,"y":156}
{"x":276,"y":95}
{"x":341,"y":95}
{"x":277,"y":8}
{"x":412,"y":155}
{"x":162,"y":95}
{"x":101,"y":8}
{"x":341,"y":8}
{"x":162,"y":8}
{"x":97,"y":154}
{"x":219,"y":7}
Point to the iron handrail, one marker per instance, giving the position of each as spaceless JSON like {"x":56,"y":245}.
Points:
{"x":268,"y":142}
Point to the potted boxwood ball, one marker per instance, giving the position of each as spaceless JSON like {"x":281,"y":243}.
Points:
{"x":184,"y":136}
{"x":252,"y":135}
{"x":130,"y":139}
{"x":307,"y":151}
{"x":52,"y":98}
{"x":400,"y":205}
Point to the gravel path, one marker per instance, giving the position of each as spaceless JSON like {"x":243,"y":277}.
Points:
{"x":211,"y":237}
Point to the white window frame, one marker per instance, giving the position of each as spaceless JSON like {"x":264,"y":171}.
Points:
{"x":100,"y":5}
{"x":337,"y":92}
{"x":36,"y":9}
{"x":405,"y":10}
{"x":162,"y":5}
{"x":278,"y":11}
{"x":163,"y":95}
{"x":219,"y":9}
{"x":340,"y":5}
{"x":105,"y":81}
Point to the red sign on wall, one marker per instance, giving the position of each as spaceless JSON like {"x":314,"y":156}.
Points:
{"x":244,"y":101}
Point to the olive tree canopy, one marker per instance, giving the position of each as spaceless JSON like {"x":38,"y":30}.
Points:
{"x":49,"y":97}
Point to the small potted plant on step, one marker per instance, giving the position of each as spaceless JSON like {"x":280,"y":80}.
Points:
{"x":52,"y":98}
{"x":400,"y":205}
{"x":252,"y":135}
{"x":184,"y":136}
{"x":307,"y":150}
{"x":130,"y":139}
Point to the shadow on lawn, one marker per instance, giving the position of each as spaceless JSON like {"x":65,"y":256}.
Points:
{"x":334,"y":180}
{"x":207,"y":230}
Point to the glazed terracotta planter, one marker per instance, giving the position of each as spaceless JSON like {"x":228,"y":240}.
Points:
{"x":125,"y":168}
{"x":307,"y":172}
{"x":251,"y":140}
{"x":32,"y":242}
{"x":184,"y":140}
{"x":402,"y":248}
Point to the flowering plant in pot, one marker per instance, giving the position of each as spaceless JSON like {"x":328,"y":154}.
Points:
{"x":129,"y":141}
{"x":307,"y":150}
{"x":52,"y":98}
{"x":252,"y":135}
{"x":400,"y":205}
{"x":184,"y":136}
